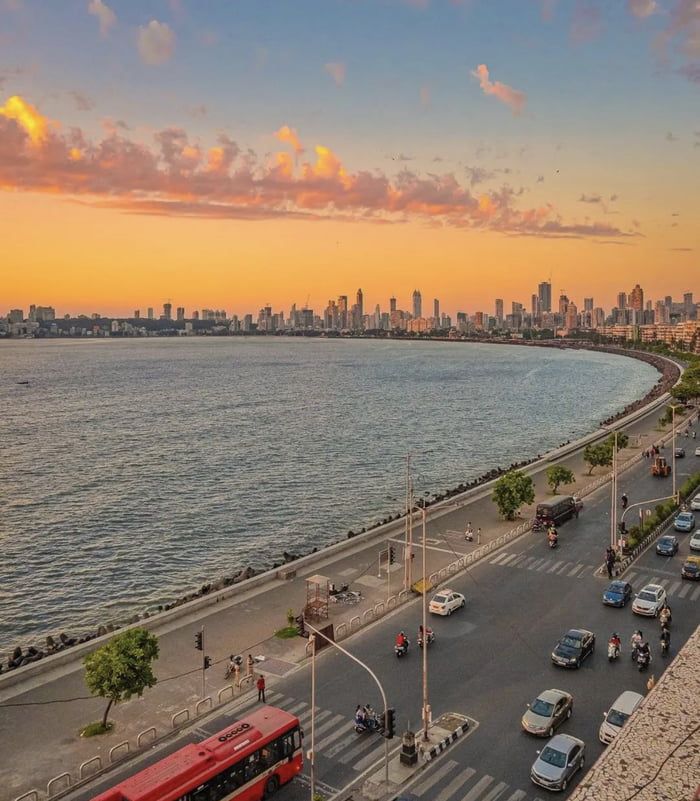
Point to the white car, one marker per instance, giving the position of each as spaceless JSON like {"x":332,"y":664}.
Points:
{"x":694,"y":542}
{"x":649,"y":600}
{"x":695,"y":503}
{"x":616,"y":717}
{"x":697,"y":451}
{"x":446,"y":601}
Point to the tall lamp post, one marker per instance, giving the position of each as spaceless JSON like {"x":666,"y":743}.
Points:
{"x":426,"y":707}
{"x":673,"y":448}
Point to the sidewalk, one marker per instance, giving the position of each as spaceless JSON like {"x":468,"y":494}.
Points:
{"x":57,"y":701}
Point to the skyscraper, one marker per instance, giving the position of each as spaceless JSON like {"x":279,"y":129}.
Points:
{"x":544,"y":292}
{"x":499,"y":311}
{"x":180,"y":313}
{"x":588,"y":304}
{"x":436,"y":311}
{"x":636,"y":298}
{"x":343,"y":311}
{"x":417,"y":305}
{"x":621,"y":300}
{"x":150,"y":312}
{"x":360,"y":306}
{"x":535,"y":305}
{"x":688,"y":305}
{"x":392,"y":305}
{"x":167,"y":311}
{"x":563,"y":304}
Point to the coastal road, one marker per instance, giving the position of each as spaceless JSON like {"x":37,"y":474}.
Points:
{"x":488,"y":661}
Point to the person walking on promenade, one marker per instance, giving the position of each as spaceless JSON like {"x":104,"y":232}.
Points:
{"x":249,"y":663}
{"x":610,"y":561}
{"x":261,"y":688}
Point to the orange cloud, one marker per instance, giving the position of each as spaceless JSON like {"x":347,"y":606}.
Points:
{"x":506,"y":94}
{"x":156,"y":42}
{"x":104,"y":14}
{"x":177,"y":177}
{"x":289,"y":135}
{"x":28,"y":117}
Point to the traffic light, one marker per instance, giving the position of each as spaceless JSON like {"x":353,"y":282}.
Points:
{"x":301,"y":629}
{"x":389,"y":723}
{"x":392,"y":555}
{"x":207,"y":662}
{"x":198,"y":644}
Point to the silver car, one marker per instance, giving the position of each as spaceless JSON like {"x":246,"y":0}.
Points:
{"x":557,"y":762}
{"x":546,"y":712}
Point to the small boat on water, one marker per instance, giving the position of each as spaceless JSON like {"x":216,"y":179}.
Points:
{"x":23,"y":382}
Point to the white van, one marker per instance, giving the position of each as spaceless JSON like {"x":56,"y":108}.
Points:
{"x":616,"y":717}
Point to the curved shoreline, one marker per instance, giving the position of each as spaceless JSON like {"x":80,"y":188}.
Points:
{"x":669,"y":375}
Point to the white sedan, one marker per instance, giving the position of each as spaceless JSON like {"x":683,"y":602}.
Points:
{"x":446,"y":601}
{"x":694,"y":543}
{"x":695,"y":503}
{"x":650,"y":600}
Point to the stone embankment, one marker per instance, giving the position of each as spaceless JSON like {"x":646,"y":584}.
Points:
{"x":670,"y":373}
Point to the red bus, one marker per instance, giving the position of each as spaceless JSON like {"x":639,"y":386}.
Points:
{"x":246,"y":761}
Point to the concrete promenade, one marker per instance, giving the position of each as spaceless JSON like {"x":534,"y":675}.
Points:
{"x":43,"y":707}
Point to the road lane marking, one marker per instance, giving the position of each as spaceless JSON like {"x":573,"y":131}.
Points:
{"x":296,"y":708}
{"x":695,"y":594}
{"x":518,"y":795}
{"x":567,"y":566}
{"x":327,"y":726}
{"x":518,"y":562}
{"x":370,"y":759}
{"x":501,"y":787}
{"x":629,"y":576}
{"x":478,"y":788}
{"x":434,"y":778}
{"x":664,"y":583}
{"x":575,"y":570}
{"x":509,"y":559}
{"x":546,"y":564}
{"x":673,"y":587}
{"x":331,"y":738}
{"x":455,"y":784}
{"x":585,"y":570}
{"x":496,"y":560}
{"x":684,"y":591}
{"x":536,"y":564}
{"x":531,"y":560}
{"x":363,"y":746}
{"x":654,"y":580}
{"x":556,"y":566}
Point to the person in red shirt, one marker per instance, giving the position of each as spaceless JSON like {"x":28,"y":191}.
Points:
{"x":261,"y":688}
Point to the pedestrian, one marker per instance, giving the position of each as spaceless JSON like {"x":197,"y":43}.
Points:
{"x":261,"y":688}
{"x":250,"y":662}
{"x":478,"y":536}
{"x":693,"y":434}
{"x":625,"y":500}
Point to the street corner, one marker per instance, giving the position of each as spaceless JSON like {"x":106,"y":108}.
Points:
{"x":444,"y":731}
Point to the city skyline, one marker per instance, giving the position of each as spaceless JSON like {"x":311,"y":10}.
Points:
{"x":200,"y":152}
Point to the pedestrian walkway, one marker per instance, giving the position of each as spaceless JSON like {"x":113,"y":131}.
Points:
{"x":454,"y":782}
{"x":536,"y":564}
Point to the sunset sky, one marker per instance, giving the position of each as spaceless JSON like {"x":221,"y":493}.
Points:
{"x":234,"y":154}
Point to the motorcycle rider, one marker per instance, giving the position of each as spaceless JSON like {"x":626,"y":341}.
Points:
{"x":636,"y":640}
{"x":428,"y":634}
{"x":624,"y":499}
{"x":552,"y":535}
{"x":615,"y":641}
{"x":665,"y":638}
{"x":360,"y":716}
{"x":665,"y":614}
{"x":402,"y":641}
{"x":643,"y":653}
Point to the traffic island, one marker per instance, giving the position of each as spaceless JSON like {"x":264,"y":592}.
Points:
{"x":412,"y":758}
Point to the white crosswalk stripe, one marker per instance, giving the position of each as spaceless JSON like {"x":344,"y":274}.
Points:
{"x":696,"y":594}
{"x":518,"y":795}
{"x":509,"y":559}
{"x":497,"y":790}
{"x":342,"y":731}
{"x":434,"y":777}
{"x":365,"y":744}
{"x":459,"y":781}
{"x":684,"y":591}
{"x":370,"y":759}
{"x":465,"y":784}
{"x":575,"y":570}
{"x":544,"y":565}
{"x":497,"y":559}
{"x":478,"y":788}
{"x":556,"y":566}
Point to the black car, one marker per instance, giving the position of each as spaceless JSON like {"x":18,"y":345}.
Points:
{"x":618,"y":593}
{"x":667,"y":545}
{"x":679,"y":453}
{"x":573,"y":648}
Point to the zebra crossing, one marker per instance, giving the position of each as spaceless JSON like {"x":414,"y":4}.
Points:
{"x":674,"y":586}
{"x":453,"y":782}
{"x":521,"y":561}
{"x":334,"y":734}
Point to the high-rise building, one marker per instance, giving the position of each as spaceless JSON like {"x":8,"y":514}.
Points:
{"x":436,"y":311}
{"x":417,"y":304}
{"x":688,"y":305}
{"x":535,"y":305}
{"x":571,"y":316}
{"x":588,"y":304}
{"x":662,"y":313}
{"x":563,"y":304}
{"x":343,"y":311}
{"x":195,"y":315}
{"x":167,"y":311}
{"x":668,"y":301}
{"x":621,"y":300}
{"x":499,"y":311}
{"x":180,"y":313}
{"x":649,"y":306}
{"x":137,"y":314}
{"x":15,"y":316}
{"x":544,"y":292}
{"x":636,"y":298}
{"x":149,"y":313}
{"x":392,"y":305}
{"x":359,"y":301}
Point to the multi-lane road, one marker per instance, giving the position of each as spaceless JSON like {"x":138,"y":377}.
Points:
{"x":490,"y":659}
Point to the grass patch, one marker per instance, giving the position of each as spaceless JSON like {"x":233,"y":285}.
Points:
{"x":286,"y":633}
{"x":93,"y":729}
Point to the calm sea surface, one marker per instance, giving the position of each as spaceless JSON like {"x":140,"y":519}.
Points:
{"x":133,"y":471}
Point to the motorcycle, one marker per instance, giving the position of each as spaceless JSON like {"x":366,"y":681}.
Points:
{"x":643,"y":660}
{"x":665,"y":645}
{"x":538,"y":524}
{"x":370,"y":722}
{"x":553,"y":542}
{"x":665,"y":618}
{"x":430,"y":639}
{"x":401,"y":650}
{"x":613,"y":651}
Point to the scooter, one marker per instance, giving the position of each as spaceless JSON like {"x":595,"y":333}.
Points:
{"x":553,"y":542}
{"x":643,"y":660}
{"x":538,"y":524}
{"x":665,"y":618}
{"x":613,"y":651}
{"x":430,"y":639}
{"x":369,"y":723}
{"x":665,"y":645}
{"x":401,"y":650}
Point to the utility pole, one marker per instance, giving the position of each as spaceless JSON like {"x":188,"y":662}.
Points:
{"x":408,"y":551}
{"x":426,"y":708}
{"x":312,"y":753}
{"x":673,"y":450}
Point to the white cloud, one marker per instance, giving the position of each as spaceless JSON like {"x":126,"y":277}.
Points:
{"x":337,"y":71}
{"x":156,"y":42}
{"x":642,"y":8}
{"x":104,"y":14}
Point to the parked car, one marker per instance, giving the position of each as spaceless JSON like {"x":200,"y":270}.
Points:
{"x":558,"y":509}
{"x":547,"y":711}
{"x":616,"y":717}
{"x":573,"y":648}
{"x":697,"y":451}
{"x":695,"y":503}
{"x":558,"y":761}
{"x":694,"y":541}
{"x":679,"y":453}
{"x":618,"y":593}
{"x":685,"y":521}
{"x":446,"y":601}
{"x":649,"y":600}
{"x":667,"y":545}
{"x":690,"y":569}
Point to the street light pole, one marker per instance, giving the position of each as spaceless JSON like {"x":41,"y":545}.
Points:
{"x":613,"y":499}
{"x":312,"y":771}
{"x":376,"y":680}
{"x":673,"y":449}
{"x":426,"y":708}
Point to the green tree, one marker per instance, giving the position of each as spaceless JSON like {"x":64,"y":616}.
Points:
{"x":122,"y":667}
{"x":558,"y":474}
{"x":598,"y":454}
{"x":622,"y":441}
{"x":512,"y":491}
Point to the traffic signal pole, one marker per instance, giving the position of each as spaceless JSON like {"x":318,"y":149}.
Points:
{"x":387,"y":717}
